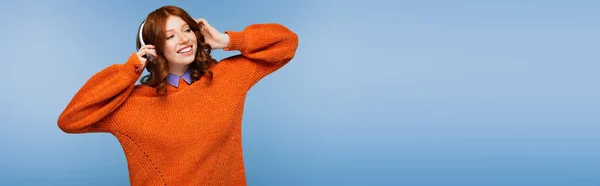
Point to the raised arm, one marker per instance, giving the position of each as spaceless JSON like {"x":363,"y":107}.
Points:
{"x":264,"y":49}
{"x":103,"y":93}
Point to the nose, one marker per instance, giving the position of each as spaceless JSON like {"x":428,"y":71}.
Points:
{"x":183,"y":39}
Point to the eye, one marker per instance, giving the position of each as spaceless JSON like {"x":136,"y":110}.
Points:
{"x":188,"y":30}
{"x":169,"y":37}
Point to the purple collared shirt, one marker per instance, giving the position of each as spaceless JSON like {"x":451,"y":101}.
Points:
{"x":174,"y":79}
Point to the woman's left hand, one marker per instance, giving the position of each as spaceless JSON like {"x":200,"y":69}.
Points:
{"x":212,"y":36}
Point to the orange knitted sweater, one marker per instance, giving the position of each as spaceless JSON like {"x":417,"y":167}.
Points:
{"x":193,"y":137}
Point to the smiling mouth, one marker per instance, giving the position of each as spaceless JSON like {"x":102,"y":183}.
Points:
{"x":185,"y":50}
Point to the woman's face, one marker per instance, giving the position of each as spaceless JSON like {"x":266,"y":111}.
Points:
{"x":180,"y":45}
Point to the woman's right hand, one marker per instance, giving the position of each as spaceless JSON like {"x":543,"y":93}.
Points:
{"x":147,"y":50}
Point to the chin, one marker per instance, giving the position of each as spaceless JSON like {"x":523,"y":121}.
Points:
{"x":188,"y":59}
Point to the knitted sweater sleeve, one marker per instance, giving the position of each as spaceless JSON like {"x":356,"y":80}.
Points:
{"x":102,"y":94}
{"x":264,"y":49}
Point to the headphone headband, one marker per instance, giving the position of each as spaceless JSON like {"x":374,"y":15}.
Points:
{"x":149,"y":57}
{"x":140,"y":35}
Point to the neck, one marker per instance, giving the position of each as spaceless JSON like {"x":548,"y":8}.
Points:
{"x":178,"y":69}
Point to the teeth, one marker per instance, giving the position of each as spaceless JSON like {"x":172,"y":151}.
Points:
{"x":186,"y":50}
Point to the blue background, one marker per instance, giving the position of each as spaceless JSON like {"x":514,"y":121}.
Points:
{"x":379,"y":93}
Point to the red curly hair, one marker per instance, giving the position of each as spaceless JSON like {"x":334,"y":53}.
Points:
{"x":153,"y":33}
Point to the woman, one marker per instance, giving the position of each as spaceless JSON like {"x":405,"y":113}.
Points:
{"x":182,"y":124}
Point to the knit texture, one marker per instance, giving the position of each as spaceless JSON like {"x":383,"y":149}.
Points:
{"x":193,"y":137}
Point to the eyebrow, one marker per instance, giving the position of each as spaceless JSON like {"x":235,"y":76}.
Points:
{"x":170,"y":30}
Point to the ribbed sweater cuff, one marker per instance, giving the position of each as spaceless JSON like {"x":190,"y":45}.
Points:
{"x":237,"y":40}
{"x":132,"y":63}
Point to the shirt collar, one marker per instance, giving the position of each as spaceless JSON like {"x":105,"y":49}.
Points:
{"x":174,"y":79}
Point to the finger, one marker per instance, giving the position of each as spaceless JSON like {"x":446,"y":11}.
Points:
{"x":148,"y":51}
{"x":143,"y":61}
{"x":141,"y":58}
{"x":143,"y":64}
{"x":152,"y":56}
{"x":203,"y":23}
{"x":204,"y":26}
{"x":145,"y":51}
{"x":147,"y":47}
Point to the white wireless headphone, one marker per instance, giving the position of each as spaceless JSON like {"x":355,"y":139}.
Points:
{"x":141,"y":38}
{"x":149,"y":57}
